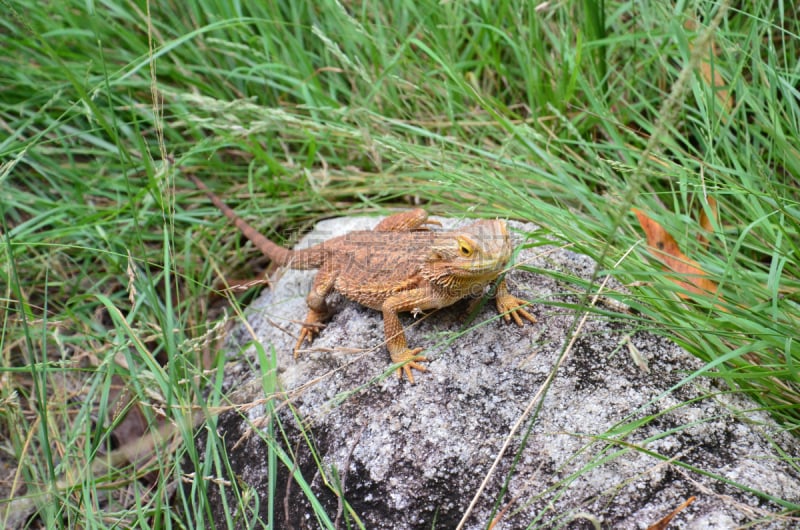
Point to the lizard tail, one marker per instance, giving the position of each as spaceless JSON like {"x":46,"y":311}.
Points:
{"x":303,"y":259}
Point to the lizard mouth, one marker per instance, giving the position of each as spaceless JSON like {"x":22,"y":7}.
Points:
{"x":488,"y":268}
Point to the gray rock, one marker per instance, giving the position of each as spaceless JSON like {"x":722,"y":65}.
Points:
{"x":614,"y":442}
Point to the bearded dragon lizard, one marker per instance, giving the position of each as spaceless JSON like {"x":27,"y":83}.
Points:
{"x":399,"y":266}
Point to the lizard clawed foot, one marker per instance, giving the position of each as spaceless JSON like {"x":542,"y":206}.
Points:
{"x":512,"y":307}
{"x":411,"y":359}
{"x":307,"y":333}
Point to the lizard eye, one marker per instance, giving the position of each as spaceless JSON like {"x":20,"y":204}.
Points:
{"x":464,"y":249}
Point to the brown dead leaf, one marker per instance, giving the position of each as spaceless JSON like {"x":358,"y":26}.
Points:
{"x":714,"y":79}
{"x":663,"y":246}
{"x":662,"y":524}
{"x":705,"y":220}
{"x":712,"y":75}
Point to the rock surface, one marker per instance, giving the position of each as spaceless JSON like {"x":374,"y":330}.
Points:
{"x":614,"y":440}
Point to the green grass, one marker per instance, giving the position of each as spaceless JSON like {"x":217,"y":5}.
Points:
{"x":292,"y":111}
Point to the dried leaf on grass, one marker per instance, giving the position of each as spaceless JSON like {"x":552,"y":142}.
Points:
{"x":710,"y":73}
{"x":689,"y":275}
{"x":705,"y":220}
{"x":663,"y":523}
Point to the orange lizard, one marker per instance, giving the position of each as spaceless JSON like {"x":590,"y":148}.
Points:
{"x":399,"y":266}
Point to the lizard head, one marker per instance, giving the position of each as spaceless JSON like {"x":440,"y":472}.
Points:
{"x":471,"y":255}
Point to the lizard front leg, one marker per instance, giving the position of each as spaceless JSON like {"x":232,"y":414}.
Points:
{"x":406,"y":221}
{"x":393,"y":329}
{"x":510,"y":306}
{"x":317,"y":308}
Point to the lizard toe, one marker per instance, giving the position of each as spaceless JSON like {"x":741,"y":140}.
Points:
{"x":521,"y":312}
{"x":410,"y":359}
{"x":406,"y":368}
{"x":513,"y":307}
{"x":306,"y":335}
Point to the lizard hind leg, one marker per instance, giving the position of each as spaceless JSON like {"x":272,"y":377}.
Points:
{"x":317,"y":308}
{"x":415,"y":219}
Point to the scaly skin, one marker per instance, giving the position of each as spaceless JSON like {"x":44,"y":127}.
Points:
{"x":400,"y":266}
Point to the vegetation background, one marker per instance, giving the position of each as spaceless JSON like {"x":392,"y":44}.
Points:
{"x":564,"y":113}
